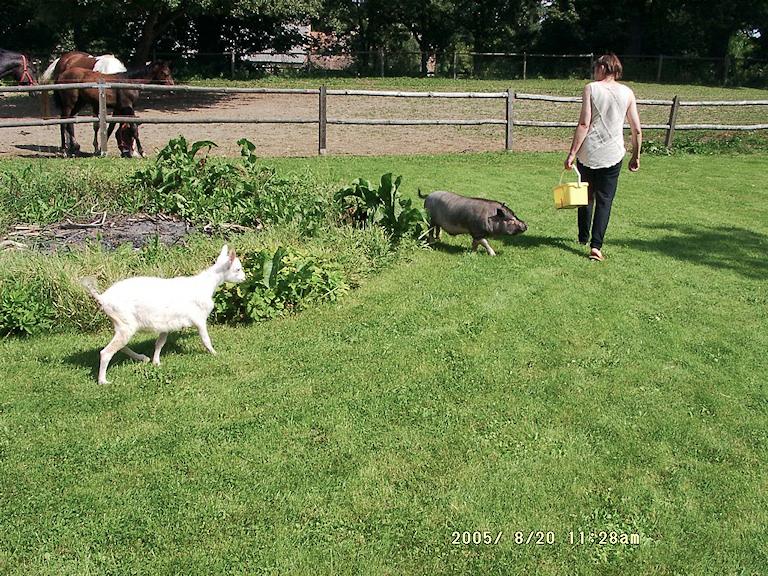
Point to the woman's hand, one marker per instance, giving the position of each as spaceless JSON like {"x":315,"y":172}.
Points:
{"x":634,"y":164}
{"x":568,"y":164}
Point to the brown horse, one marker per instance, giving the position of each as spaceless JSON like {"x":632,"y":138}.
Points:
{"x":106,"y":64}
{"x":120,"y":100}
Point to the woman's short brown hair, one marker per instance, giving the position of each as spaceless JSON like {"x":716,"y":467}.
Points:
{"x":610,"y":64}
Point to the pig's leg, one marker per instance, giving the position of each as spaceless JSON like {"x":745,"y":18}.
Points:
{"x":484,"y":243}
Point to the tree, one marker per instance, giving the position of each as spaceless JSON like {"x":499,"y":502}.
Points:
{"x":433,"y":24}
{"x":499,"y":26}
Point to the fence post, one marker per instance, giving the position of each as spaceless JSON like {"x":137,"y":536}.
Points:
{"x":672,"y":121}
{"x":102,"y":151}
{"x":525,"y":65}
{"x":232,"y":64}
{"x":510,"y":120}
{"x":322,"y":145}
{"x":658,"y":70}
{"x":455,"y":64}
{"x":381,"y":61}
{"x":726,"y":63}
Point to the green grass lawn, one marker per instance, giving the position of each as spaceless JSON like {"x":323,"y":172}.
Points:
{"x":532,"y":392}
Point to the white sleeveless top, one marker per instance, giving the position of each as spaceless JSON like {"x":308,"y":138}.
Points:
{"x":604,"y":144}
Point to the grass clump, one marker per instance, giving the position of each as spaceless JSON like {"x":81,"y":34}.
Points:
{"x":708,"y":144}
{"x":42,"y":193}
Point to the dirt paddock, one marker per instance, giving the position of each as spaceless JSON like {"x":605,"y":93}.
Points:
{"x":291,"y":139}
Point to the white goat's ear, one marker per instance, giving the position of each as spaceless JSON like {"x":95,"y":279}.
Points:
{"x":223,"y":255}
{"x":232,"y":256}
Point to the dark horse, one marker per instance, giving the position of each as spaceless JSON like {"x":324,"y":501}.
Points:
{"x":17,"y":65}
{"x":120,"y":100}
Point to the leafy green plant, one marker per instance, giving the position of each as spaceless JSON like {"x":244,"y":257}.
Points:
{"x":279,"y":282}
{"x":363,"y":204}
{"x":25,"y":309}
{"x":214,"y":192}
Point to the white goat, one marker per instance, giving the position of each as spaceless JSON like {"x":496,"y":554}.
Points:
{"x":162,"y":305}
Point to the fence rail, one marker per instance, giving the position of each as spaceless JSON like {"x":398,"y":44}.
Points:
{"x":322,"y":120}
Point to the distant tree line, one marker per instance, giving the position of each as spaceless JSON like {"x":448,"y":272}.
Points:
{"x":136,"y":28}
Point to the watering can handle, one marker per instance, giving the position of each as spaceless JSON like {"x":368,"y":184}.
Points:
{"x":578,"y":175}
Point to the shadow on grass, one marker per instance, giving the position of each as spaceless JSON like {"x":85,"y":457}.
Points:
{"x":731,"y":248}
{"x":531,"y":241}
{"x":519,"y":241}
{"x":146,"y":346}
{"x":440,"y":246}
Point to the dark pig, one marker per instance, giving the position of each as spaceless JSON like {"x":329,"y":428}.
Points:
{"x":478,"y":217}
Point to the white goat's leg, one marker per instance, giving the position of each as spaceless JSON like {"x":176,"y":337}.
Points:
{"x":120,"y":339}
{"x":159,"y":343}
{"x":203,"y":329}
{"x":134,"y":355}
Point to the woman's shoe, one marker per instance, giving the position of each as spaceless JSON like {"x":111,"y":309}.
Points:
{"x":596,"y":254}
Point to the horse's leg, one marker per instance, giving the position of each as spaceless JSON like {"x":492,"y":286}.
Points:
{"x":58,"y":98}
{"x":96,"y":147}
{"x":73,"y":148}
{"x":139,"y":150}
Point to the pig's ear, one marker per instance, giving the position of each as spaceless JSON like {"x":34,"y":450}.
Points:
{"x":500,"y":214}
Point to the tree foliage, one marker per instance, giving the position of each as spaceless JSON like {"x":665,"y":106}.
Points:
{"x":133,"y":28}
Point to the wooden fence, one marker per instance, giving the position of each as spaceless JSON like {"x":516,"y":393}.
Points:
{"x":322,"y":120}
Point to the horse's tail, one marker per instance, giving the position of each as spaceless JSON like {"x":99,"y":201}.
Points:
{"x":47,"y":76}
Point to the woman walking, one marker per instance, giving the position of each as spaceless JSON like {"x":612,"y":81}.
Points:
{"x":598,"y":147}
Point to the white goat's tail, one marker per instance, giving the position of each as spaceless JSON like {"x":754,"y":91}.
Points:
{"x":89,"y":284}
{"x":47,"y":76}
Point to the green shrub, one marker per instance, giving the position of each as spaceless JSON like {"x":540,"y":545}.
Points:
{"x":213,"y":193}
{"x":363,"y":204}
{"x":25,"y":308}
{"x":279,"y":282}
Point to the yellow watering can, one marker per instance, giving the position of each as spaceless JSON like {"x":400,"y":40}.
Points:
{"x":571,"y":194}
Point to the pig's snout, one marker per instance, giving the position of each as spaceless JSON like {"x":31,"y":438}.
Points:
{"x":518,"y":227}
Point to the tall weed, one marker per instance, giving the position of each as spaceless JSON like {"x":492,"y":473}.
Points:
{"x":363,"y":204}
{"x":284,"y":281}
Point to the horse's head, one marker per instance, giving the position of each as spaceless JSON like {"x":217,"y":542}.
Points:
{"x":126,"y":135}
{"x":26,"y":73}
{"x":159,"y":72}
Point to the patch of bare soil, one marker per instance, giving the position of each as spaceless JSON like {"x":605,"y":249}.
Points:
{"x":138,"y":230}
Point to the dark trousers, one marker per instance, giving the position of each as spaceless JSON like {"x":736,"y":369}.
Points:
{"x":602,"y":189}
